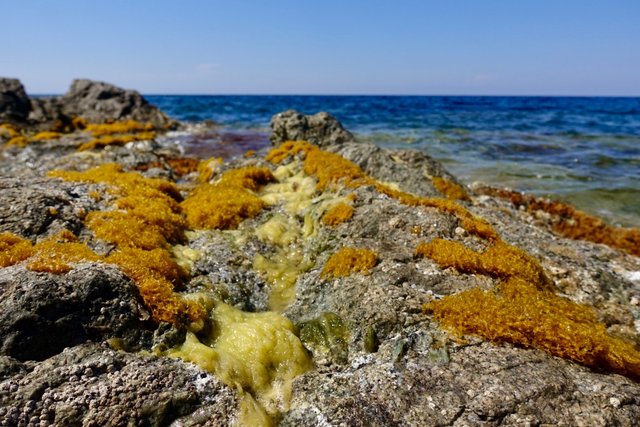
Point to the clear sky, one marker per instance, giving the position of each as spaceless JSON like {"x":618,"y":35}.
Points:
{"x":456,"y":47}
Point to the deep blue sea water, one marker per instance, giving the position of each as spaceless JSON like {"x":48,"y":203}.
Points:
{"x":582,"y":150}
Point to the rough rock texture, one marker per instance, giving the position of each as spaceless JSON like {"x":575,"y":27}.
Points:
{"x":91,"y":385}
{"x":321,"y":129}
{"x":42,"y":313}
{"x":99,"y":101}
{"x":395,"y":365}
{"x":14,"y":102}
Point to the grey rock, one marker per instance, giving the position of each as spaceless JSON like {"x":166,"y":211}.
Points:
{"x":321,"y":129}
{"x":42,"y":313}
{"x":99,"y":101}
{"x":31,"y":206}
{"x":92,"y":385}
{"x":14,"y":102}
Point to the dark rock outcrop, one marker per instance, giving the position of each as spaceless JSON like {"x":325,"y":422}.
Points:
{"x":14,"y":102}
{"x":99,"y":101}
{"x":321,"y":129}
{"x":42,"y":313}
{"x":94,"y":101}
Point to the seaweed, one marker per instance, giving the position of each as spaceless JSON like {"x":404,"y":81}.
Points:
{"x":348,"y":261}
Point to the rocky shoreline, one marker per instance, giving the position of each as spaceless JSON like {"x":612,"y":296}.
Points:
{"x":301,"y":286}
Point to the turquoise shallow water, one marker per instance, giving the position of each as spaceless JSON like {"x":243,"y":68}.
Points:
{"x":585,"y":151}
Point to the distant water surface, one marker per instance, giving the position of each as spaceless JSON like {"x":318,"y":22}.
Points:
{"x":585,"y":151}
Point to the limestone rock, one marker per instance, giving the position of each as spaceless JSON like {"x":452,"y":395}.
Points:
{"x":14,"y":102}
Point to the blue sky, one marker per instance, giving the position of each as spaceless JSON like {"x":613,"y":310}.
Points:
{"x":457,"y":47}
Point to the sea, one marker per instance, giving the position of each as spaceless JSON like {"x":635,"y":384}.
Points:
{"x":584,"y":151}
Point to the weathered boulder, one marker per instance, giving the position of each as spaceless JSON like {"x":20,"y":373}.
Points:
{"x":14,"y":102}
{"x":99,"y":101}
{"x":96,"y":386}
{"x":42,"y":313}
{"x":321,"y":129}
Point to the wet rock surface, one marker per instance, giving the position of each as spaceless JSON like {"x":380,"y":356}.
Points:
{"x":379,"y":357}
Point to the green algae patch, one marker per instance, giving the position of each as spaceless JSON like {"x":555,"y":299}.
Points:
{"x":14,"y":249}
{"x":523,"y":309}
{"x":225,"y":204}
{"x":257,"y":354}
{"x":326,"y":336}
{"x":348,"y":261}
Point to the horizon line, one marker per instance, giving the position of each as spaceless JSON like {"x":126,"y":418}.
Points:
{"x":364,"y":95}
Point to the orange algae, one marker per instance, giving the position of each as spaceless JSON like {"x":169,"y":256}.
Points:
{"x":116,"y":133}
{"x":55,"y":254}
{"x":348,"y":261}
{"x":9,"y":131}
{"x":147,"y":220}
{"x":573,"y":223}
{"x":14,"y":249}
{"x":225,"y":204}
{"x":338,"y":214}
{"x":523,"y":309}
{"x":46,"y":136}
{"x":117,"y":140}
{"x":501,"y":261}
{"x":126,"y":126}
{"x":18,"y":141}
{"x":449,"y":189}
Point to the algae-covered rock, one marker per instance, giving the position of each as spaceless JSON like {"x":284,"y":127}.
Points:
{"x":372,"y":293}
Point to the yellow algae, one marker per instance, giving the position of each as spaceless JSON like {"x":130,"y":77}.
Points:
{"x":523,"y":309}
{"x":137,"y":263}
{"x":338,"y":214}
{"x":56,"y":253}
{"x":449,"y":189}
{"x":225,"y":204}
{"x":185,"y":256}
{"x":281,"y":270}
{"x":256,"y":353}
{"x":46,"y":136}
{"x":350,"y":260}
{"x":278,"y":230}
{"x":14,"y":249}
